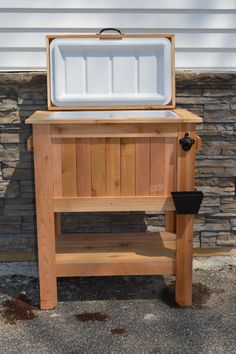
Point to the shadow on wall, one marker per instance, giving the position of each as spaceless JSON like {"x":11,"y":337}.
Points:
{"x":21,"y":94}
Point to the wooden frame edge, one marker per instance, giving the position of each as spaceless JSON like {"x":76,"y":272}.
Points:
{"x":93,"y":204}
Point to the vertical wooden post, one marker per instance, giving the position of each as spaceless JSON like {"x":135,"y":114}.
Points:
{"x":184,"y":223}
{"x":45,"y":215}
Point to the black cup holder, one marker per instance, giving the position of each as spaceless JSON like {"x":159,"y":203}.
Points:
{"x":187,"y":202}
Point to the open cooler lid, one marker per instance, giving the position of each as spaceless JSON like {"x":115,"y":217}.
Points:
{"x":110,"y":71}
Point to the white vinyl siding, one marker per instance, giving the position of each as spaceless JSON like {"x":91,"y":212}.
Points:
{"x":205,"y":29}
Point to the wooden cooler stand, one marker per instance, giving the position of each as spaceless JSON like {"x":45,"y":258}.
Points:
{"x":113,"y":164}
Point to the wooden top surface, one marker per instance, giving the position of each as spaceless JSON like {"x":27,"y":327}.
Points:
{"x":48,"y":117}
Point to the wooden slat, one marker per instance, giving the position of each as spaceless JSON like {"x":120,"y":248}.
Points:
{"x":157,"y":166}
{"x":98,"y":168}
{"x":159,"y":266}
{"x":108,"y":108}
{"x":112,"y":166}
{"x":142,"y":166}
{"x":45,"y":215}
{"x":127,"y":165}
{"x":169,"y":165}
{"x":112,"y":255}
{"x":157,"y":203}
{"x":57,"y":167}
{"x":88,"y":241}
{"x":132,"y":129}
{"x":83,"y":158}
{"x":69,"y":178}
{"x":197,"y":252}
{"x":47,"y":117}
{"x":116,"y":254}
{"x":170,"y":179}
{"x":186,"y":160}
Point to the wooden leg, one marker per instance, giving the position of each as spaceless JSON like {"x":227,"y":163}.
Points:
{"x":45,"y":216}
{"x":184,"y":253}
{"x":184,"y":223}
{"x":170,"y":221}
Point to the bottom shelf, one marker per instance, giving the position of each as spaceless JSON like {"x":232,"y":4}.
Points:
{"x":115,"y":254}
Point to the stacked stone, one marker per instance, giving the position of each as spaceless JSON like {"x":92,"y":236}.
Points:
{"x":20,"y":95}
{"x":213,"y":97}
{"x":210,"y":95}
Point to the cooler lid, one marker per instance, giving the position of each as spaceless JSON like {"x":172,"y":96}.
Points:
{"x":110,"y":72}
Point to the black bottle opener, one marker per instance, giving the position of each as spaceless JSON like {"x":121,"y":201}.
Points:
{"x":186,"y":142}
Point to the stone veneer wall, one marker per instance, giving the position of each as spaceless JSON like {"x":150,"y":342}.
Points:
{"x":211,"y":95}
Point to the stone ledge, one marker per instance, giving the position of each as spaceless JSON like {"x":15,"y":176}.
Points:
{"x":188,"y":78}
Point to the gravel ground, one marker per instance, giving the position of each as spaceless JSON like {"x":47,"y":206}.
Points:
{"x":111,"y":315}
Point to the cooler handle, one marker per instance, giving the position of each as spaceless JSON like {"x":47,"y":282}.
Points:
{"x":117,"y":35}
{"x":110,"y":29}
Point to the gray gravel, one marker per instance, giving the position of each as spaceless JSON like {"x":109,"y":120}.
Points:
{"x":139,"y":305}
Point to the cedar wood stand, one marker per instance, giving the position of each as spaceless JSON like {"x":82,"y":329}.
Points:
{"x":113,"y":165}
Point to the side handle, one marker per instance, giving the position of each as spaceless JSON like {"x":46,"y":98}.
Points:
{"x":198,"y":142}
{"x":30,"y":144}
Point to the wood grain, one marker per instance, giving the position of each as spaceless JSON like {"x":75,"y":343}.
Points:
{"x":113,"y":166}
{"x":127,"y":166}
{"x":122,"y":203}
{"x":83,"y":158}
{"x":184,"y":258}
{"x":142,"y":166}
{"x":184,"y":223}
{"x":157,"y":166}
{"x":169,"y":165}
{"x":171,"y":180}
{"x":129,"y":240}
{"x":98,"y":169}
{"x":131,"y":128}
{"x":57,"y":167}
{"x":45,"y":216}
{"x":47,"y":117}
{"x":160,"y":266}
{"x":69,"y":176}
{"x":116,"y":254}
{"x":198,"y":252}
